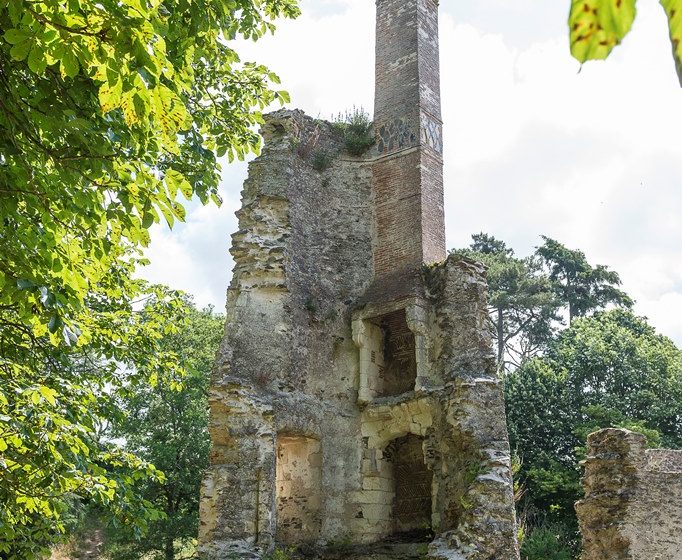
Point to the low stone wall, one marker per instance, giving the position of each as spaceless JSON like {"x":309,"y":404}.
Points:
{"x":632,"y":508}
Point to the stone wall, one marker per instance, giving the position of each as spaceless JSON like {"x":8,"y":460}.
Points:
{"x":287,"y":364}
{"x":632,"y":508}
{"x":298,"y":378}
{"x":299,"y":489}
{"x":354,"y":401}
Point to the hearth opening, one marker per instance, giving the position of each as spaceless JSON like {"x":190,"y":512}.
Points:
{"x":412,"y":479}
{"x":399,"y":358}
{"x":299,"y":480}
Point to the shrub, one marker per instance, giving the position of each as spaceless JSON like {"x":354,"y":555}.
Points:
{"x":546,"y":543}
{"x":357,"y":130}
{"x":321,"y":161}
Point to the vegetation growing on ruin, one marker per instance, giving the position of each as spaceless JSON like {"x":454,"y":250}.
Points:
{"x":322,"y":160}
{"x":357,"y":129}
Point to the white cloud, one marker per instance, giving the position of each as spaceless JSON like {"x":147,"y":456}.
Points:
{"x":534,"y":144}
{"x":194,"y":257}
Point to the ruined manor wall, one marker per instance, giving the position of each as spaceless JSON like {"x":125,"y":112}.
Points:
{"x":355,"y":408}
{"x":474,"y":483}
{"x":287,"y":366}
{"x":632,"y":508}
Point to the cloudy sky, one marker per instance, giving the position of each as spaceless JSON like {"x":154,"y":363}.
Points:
{"x":535,"y":145}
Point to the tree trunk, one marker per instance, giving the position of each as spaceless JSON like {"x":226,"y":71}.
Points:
{"x":169,"y":550}
{"x":500,"y":340}
{"x":570,"y":296}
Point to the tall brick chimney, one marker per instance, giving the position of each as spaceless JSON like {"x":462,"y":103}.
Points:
{"x":408,"y":173}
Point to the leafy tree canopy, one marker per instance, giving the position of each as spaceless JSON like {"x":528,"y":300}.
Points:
{"x":522,"y":303}
{"x":579,"y":285}
{"x":110,"y":114}
{"x":169,"y":429}
{"x":55,"y":400}
{"x":527,"y":296}
{"x":597,"y":26}
{"x":608,"y":370}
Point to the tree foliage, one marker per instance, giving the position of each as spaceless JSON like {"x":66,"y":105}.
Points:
{"x":598,"y":26}
{"x":169,"y":429}
{"x":583,"y":288}
{"x":109,"y":111}
{"x":110,"y":114}
{"x":608,"y":370}
{"x":528,"y":296}
{"x":522,"y":303}
{"x":54,"y":401}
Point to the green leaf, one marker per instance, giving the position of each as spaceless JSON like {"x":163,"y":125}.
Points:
{"x":36,"y":59}
{"x":20,"y":50}
{"x":69,"y":64}
{"x":179,"y":211}
{"x":54,"y":324}
{"x":110,"y":96}
{"x":147,"y":220}
{"x":15,"y":36}
{"x":24,"y":284}
{"x":673,"y":9}
{"x":283,"y":97}
{"x":597,"y":26}
{"x":170,"y":220}
{"x":176,"y":180}
{"x":48,"y":394}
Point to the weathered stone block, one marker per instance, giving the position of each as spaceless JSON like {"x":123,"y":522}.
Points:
{"x":632,"y":508}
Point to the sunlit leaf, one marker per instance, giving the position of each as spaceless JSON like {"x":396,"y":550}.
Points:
{"x":673,"y":9}
{"x":597,"y":26}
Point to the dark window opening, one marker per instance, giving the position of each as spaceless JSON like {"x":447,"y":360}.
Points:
{"x":400,"y":361}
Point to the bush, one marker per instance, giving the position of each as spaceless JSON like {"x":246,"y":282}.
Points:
{"x":357,"y":130}
{"x":546,"y":543}
{"x":321,"y":161}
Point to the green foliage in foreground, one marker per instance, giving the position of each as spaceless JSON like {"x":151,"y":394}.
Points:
{"x":110,"y":113}
{"x":609,"y":370}
{"x":170,"y":429}
{"x":54,"y":402}
{"x":597,"y":26}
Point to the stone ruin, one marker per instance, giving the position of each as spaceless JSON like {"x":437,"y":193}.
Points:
{"x":355,"y":407}
{"x":633,"y":499}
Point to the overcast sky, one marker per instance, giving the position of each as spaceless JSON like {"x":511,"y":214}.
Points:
{"x":533,"y":144}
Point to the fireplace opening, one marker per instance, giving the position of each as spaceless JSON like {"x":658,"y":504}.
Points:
{"x":299,"y":479}
{"x":412,"y":479}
